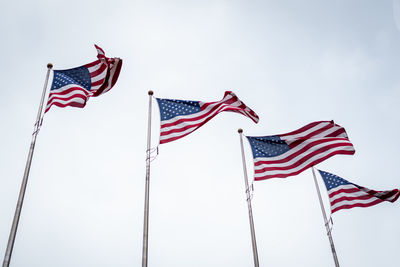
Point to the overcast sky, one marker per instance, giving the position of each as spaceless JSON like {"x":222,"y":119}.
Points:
{"x":292,"y":62}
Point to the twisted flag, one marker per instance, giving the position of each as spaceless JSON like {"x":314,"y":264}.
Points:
{"x":180,"y":117}
{"x":73,"y":87}
{"x":280,"y":156}
{"x":346,"y":195}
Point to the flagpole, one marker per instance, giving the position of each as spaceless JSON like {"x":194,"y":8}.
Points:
{"x":147,"y":187}
{"x":17,"y":214}
{"x":328,"y":231}
{"x":246,"y":182}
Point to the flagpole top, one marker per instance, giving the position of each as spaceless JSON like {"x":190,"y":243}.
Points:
{"x":240,"y":130}
{"x":150,"y":92}
{"x":49,"y":66}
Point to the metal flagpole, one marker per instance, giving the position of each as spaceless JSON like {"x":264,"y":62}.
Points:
{"x":13,"y":232}
{"x":147,"y":187}
{"x":328,"y":231}
{"x":253,"y":234}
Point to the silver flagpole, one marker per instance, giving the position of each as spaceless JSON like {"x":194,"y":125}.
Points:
{"x":328,"y":231}
{"x":246,"y":182}
{"x":147,"y":187}
{"x":17,"y":214}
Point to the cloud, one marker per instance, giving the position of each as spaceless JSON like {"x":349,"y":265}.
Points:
{"x":396,"y":13}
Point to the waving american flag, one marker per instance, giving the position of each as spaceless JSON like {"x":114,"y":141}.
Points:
{"x":73,"y":87}
{"x":280,"y":156}
{"x":346,"y":195}
{"x":181,"y":117}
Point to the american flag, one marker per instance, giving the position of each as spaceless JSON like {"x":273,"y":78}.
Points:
{"x":280,"y":156}
{"x":180,"y":117}
{"x":346,"y":195}
{"x":73,"y":87}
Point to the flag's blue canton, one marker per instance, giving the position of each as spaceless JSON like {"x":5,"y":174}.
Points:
{"x":332,"y":181}
{"x":267,"y":146}
{"x":170,"y":108}
{"x":79,"y":76}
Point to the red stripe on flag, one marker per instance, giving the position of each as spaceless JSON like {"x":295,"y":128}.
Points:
{"x":315,"y":162}
{"x":362,"y":205}
{"x":99,"y":71}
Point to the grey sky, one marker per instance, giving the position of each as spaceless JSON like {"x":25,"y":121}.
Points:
{"x":293,"y":62}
